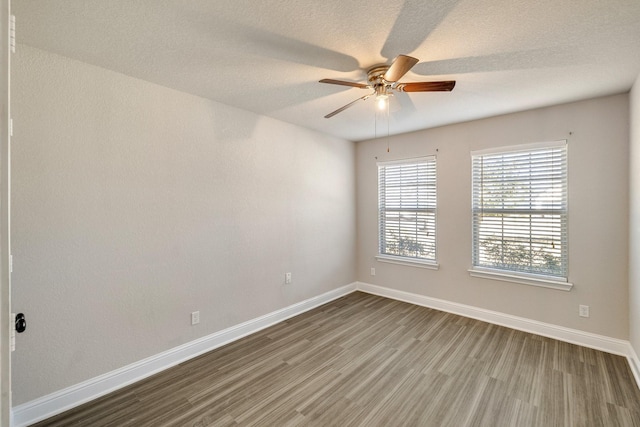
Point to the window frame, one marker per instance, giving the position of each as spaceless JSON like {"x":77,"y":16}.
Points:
{"x":517,"y":276}
{"x":431,"y":191}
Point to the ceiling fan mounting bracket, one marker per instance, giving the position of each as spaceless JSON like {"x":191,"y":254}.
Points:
{"x":375,"y":75}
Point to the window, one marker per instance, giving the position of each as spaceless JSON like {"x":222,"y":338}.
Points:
{"x":520,"y":210}
{"x":407,"y":210}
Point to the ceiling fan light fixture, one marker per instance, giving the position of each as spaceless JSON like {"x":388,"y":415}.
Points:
{"x":382,"y":96}
{"x":381,"y":101}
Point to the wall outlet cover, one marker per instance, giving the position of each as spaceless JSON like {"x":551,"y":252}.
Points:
{"x":583,"y":310}
{"x":195,"y":317}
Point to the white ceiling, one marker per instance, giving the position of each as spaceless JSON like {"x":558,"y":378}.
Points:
{"x":267,"y":56}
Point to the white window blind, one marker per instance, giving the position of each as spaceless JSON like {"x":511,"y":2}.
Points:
{"x":407,"y":208}
{"x":520,"y":210}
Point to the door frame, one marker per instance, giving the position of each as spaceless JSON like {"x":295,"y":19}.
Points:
{"x":6,"y":322}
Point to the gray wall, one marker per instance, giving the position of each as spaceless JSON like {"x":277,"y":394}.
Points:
{"x":134,"y":205}
{"x":598,"y":214}
{"x":634,"y":256}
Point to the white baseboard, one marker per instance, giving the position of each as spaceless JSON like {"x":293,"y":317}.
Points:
{"x":573,"y":336}
{"x":60,"y":401}
{"x":634,"y":363}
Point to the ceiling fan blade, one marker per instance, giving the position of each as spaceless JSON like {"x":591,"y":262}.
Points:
{"x":343,"y":83}
{"x":444,"y":86}
{"x":399,"y":67}
{"x":407,"y":107}
{"x":344,"y":107}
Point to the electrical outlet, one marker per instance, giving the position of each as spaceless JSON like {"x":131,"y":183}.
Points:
{"x":287,"y":278}
{"x":583,"y":311}
{"x":373,"y":271}
{"x":195,"y":317}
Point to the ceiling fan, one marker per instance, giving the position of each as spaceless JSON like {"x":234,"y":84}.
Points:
{"x":383,"y":79}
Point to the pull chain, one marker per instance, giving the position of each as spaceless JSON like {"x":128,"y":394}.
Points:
{"x":388,"y":102}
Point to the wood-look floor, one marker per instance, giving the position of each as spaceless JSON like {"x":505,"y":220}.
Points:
{"x":364,"y":360}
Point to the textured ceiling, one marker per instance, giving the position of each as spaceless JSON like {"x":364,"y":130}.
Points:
{"x":267,"y":56}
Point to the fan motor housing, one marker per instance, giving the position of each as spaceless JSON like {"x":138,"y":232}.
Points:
{"x":376,"y":74}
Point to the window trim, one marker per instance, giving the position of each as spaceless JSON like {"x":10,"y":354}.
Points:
{"x":406,"y":260}
{"x":533,"y":279}
{"x":520,"y":147}
{"x":521,"y":278}
{"x":412,"y":262}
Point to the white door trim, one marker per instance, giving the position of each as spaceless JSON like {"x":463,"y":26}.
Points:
{"x":5,"y":185}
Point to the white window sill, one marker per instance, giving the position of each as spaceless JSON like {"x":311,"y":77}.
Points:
{"x":522,"y":279}
{"x":431,"y":265}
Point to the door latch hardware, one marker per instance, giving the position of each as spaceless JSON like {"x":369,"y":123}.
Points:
{"x":21,"y":323}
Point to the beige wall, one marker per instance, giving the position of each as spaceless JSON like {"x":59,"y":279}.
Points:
{"x":634,"y":255}
{"x":134,"y":205}
{"x":598,"y":218}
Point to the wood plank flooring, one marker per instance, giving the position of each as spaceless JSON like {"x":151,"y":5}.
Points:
{"x":364,"y":360}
